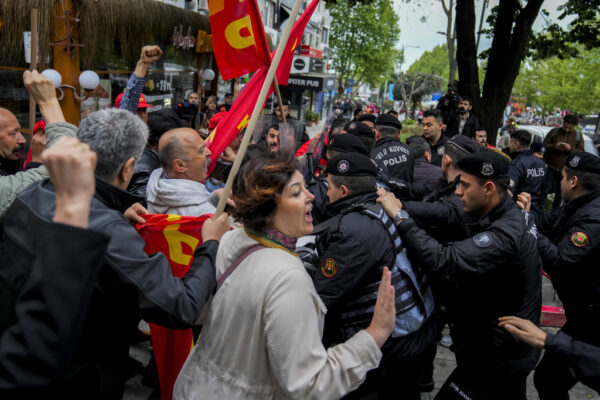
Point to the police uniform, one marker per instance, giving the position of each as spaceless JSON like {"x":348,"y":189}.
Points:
{"x":391,"y":153}
{"x":568,"y":242}
{"x":362,"y":132}
{"x":437,"y":150}
{"x":353,"y":248}
{"x":496,"y":272}
{"x":529,"y":174}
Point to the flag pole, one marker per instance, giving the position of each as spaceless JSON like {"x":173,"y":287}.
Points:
{"x":278,"y":94}
{"x":32,"y":66}
{"x":269,"y":80}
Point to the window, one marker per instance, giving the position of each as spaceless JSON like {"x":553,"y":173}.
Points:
{"x":324,"y":36}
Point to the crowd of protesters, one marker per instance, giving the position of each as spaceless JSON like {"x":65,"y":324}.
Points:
{"x":332,"y":275}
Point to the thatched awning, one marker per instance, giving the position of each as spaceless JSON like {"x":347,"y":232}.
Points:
{"x":105,"y":26}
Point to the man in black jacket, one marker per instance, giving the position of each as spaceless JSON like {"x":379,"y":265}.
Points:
{"x":467,"y":121}
{"x":527,"y":172}
{"x":567,"y":242}
{"x":424,"y":171}
{"x":389,"y":151}
{"x":432,"y":131}
{"x":499,"y":253}
{"x":132,"y":285}
{"x":353,"y":247}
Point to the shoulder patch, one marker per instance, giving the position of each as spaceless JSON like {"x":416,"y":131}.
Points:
{"x":329,"y":268}
{"x":579,"y":239}
{"x":483,"y":240}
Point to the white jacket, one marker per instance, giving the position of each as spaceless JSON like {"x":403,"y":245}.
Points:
{"x":262,"y":336}
{"x":178,"y":196}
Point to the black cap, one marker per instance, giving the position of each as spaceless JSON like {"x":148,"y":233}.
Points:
{"x":388,"y":120}
{"x":351,"y":164}
{"x":485,"y":164}
{"x":345,"y":143}
{"x":359,"y":129}
{"x":582,"y":161}
{"x":367,"y":117}
{"x":537,"y":147}
{"x":464,"y":144}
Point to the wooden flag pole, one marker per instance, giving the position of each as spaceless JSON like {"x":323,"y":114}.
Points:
{"x":32,"y":66}
{"x":278,"y":94}
{"x":269,"y":80}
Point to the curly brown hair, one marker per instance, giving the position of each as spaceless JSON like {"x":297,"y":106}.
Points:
{"x":258,"y":186}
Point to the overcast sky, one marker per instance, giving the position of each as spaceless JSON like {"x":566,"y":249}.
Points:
{"x":424,"y":34}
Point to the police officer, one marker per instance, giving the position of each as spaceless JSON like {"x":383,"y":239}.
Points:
{"x":353,"y":248}
{"x":496,"y":271}
{"x":436,"y":207}
{"x":433,"y":124}
{"x":568,"y":244}
{"x":368,"y":119}
{"x":363,"y":132}
{"x":527,"y":172}
{"x":389,"y":151}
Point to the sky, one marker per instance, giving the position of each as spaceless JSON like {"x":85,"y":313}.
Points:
{"x":418,"y":37}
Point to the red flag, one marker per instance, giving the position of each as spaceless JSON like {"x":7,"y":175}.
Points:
{"x":237,"y":118}
{"x":241,"y":110}
{"x":295,"y":40}
{"x":176,"y":237}
{"x":239,"y":40}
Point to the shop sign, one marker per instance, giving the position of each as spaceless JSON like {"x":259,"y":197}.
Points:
{"x":184,"y":42}
{"x":310,"y":52}
{"x":316,"y":65}
{"x":305,"y":83}
{"x":204,"y":43}
{"x":329,"y":83}
{"x":300,"y":64}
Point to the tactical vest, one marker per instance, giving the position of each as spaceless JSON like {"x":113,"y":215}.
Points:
{"x":414,"y":300}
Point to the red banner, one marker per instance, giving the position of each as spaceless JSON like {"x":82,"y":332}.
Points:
{"x":239,"y":40}
{"x":176,"y":237}
{"x":241,"y":110}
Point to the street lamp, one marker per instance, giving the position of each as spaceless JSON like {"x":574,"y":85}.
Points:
{"x":88,"y":80}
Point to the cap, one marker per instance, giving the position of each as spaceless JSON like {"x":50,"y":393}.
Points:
{"x":582,"y":161}
{"x":485,"y":164}
{"x":537,"y":147}
{"x":351,"y":164}
{"x":463,"y":143}
{"x":141,"y":104}
{"x":367,"y":117}
{"x":214,"y":121}
{"x":346,"y":143}
{"x":186,"y":110}
{"x":359,"y":129}
{"x":388,"y":120}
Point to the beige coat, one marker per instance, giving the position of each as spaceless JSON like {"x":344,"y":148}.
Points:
{"x":262,"y":335}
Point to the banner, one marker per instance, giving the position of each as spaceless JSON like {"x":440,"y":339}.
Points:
{"x":295,"y":41}
{"x":237,"y":118}
{"x":239,"y":40}
{"x":176,"y":237}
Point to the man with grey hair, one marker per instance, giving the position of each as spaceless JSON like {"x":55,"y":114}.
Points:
{"x":132,"y":285}
{"x":177,"y":187}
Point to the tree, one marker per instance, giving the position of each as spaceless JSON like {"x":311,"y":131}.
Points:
{"x":572,"y":83}
{"x":433,"y":62}
{"x":363,"y":39}
{"x":412,"y":88}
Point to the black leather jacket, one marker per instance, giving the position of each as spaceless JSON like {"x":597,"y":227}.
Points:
{"x":131,"y":285}
{"x":141,"y":174}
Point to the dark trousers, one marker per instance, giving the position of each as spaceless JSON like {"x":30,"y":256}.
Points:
{"x":552,"y":377}
{"x":402,"y":365}
{"x":555,"y":177}
{"x":476,"y":379}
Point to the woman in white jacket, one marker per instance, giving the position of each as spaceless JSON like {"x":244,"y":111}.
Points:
{"x":262,"y":336}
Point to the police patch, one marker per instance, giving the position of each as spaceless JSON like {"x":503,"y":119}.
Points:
{"x":440,"y":150}
{"x":343,"y":166}
{"x":487,"y":169}
{"x":482,"y":240}
{"x":574,"y":163}
{"x":352,"y":126}
{"x":329,"y":268}
{"x":579,"y":239}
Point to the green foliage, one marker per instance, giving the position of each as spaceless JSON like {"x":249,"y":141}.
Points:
{"x":408,"y":121}
{"x":363,"y":38}
{"x":433,"y":62}
{"x":572,"y":84}
{"x":413,"y":87}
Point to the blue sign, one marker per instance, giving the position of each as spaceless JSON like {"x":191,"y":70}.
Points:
{"x":391,"y":92}
{"x":436,"y":96}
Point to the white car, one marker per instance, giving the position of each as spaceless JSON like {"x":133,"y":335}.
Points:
{"x":538,"y":133}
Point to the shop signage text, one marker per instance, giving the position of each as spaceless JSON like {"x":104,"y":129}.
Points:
{"x":305,"y":83}
{"x":309,"y":51}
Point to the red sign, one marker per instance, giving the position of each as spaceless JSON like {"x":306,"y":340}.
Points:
{"x":310,"y":52}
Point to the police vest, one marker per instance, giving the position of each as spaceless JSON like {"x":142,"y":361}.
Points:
{"x":414,"y":300}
